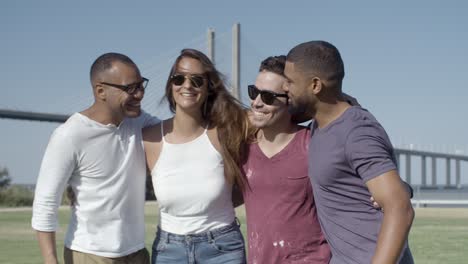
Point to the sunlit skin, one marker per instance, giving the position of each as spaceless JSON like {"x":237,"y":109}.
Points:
{"x":276,"y":129}
{"x":299,"y":90}
{"x":325,"y":104}
{"x":264,"y":115}
{"x":113,"y":104}
{"x":187,"y":97}
{"x":313,"y":96}
{"x":188,"y":122}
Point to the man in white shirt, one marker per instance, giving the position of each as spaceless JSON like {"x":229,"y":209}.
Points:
{"x":99,"y":153}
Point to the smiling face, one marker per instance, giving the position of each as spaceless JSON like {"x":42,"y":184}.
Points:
{"x":301,"y":100}
{"x":119,"y":103}
{"x":189,"y":95}
{"x":276,"y":114}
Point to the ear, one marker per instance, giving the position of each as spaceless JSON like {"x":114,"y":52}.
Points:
{"x":100,"y":93}
{"x":316,"y":85}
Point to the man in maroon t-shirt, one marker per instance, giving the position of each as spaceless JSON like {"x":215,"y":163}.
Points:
{"x":282,"y":224}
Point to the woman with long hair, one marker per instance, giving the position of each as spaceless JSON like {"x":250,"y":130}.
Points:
{"x":194,"y":158}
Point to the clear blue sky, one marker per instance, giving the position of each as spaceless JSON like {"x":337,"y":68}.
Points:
{"x":405,"y":60}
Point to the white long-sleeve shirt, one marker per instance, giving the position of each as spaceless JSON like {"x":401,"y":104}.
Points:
{"x":105,"y":166}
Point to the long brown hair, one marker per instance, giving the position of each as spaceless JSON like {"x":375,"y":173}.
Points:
{"x":223,"y":111}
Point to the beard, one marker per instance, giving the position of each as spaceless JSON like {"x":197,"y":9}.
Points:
{"x":301,"y":116}
{"x":300,"y":113}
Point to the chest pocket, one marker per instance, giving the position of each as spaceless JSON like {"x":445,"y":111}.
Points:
{"x":296,"y":183}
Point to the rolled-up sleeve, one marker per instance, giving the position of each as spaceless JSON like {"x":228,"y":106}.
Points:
{"x":56,"y":169}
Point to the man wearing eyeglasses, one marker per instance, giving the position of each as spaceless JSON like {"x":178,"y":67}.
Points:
{"x":99,"y":153}
{"x":282,"y":224}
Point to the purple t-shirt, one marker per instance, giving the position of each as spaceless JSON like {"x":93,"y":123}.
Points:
{"x":343,"y":156}
{"x":282,"y":224}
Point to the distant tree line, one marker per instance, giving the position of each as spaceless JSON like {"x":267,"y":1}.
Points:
{"x":13,"y":195}
{"x":4,"y":178}
{"x":16,"y":195}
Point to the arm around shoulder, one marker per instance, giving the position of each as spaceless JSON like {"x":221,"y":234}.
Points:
{"x":148,"y":120}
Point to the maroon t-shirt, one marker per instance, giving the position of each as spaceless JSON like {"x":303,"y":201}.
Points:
{"x":282,"y":224}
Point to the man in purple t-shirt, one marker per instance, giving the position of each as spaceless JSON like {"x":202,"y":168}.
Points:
{"x":282,"y":224}
{"x":350,"y":158}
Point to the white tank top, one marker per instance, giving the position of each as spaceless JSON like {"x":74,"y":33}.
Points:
{"x":189,"y":183}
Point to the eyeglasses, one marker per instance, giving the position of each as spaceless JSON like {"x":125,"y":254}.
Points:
{"x":267,"y":97}
{"x":130,"y":88}
{"x":196,"y":80}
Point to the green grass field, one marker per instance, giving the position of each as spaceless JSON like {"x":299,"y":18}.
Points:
{"x":437,"y":236}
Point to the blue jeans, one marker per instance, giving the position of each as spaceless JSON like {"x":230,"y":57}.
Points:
{"x":222,"y":245}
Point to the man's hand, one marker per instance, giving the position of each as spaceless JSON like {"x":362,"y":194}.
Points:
{"x":375,"y":204}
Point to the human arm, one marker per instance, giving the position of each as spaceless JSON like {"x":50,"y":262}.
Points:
{"x":47,"y":245}
{"x":56,"y":168}
{"x":370,"y":154}
{"x":152,"y":142}
{"x":408,"y":188}
{"x":389,"y":192}
{"x":148,"y":120}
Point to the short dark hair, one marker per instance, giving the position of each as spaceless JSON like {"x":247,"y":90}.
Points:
{"x":105,"y":61}
{"x":319,"y":58}
{"x":274,"y":64}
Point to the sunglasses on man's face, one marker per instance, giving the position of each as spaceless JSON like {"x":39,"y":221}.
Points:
{"x":196,"y":80}
{"x":268,"y":97}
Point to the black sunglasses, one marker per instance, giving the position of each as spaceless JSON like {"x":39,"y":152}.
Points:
{"x":130,"y":88}
{"x":196,"y":80}
{"x":268,"y":97}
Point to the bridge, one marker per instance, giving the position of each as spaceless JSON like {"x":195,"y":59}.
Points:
{"x":430,"y":190}
{"x":422,"y":169}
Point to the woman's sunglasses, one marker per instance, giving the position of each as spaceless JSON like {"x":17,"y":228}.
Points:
{"x":268,"y":97}
{"x":197,"y":81}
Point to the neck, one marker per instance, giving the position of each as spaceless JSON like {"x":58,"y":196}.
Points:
{"x":272,"y":140}
{"x":186,"y":124}
{"x":101,"y":114}
{"x":278,"y":133}
{"x":329,"y":112}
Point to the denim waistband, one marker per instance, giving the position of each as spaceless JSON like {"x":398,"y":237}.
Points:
{"x":199,"y":237}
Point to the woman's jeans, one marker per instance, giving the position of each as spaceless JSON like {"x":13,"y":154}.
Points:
{"x":221,"y":245}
